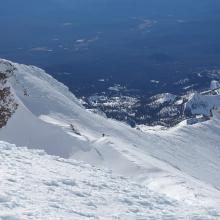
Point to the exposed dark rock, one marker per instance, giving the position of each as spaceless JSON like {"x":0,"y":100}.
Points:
{"x":7,"y":102}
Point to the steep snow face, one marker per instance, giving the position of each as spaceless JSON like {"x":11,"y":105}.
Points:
{"x":202,"y":104}
{"x":182,"y":163}
{"x":38,"y":186}
{"x":31,"y":94}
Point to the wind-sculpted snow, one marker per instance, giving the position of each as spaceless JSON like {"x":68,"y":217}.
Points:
{"x":38,"y":186}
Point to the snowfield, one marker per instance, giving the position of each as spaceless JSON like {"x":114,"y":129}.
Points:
{"x":176,"y":170}
{"x":38,"y":186}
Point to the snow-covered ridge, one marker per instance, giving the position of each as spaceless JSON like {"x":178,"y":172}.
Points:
{"x":182,"y":162}
{"x":204,"y":102}
{"x":38,"y":186}
{"x":169,"y":110}
{"x":163,"y":98}
{"x":200,"y":104}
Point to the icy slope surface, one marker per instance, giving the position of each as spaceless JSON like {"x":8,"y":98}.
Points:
{"x":37,"y":186}
{"x":182,"y":162}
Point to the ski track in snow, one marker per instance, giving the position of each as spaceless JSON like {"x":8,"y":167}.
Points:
{"x":36,"y":186}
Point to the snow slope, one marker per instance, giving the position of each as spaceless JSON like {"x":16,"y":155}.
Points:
{"x":183,"y":162}
{"x":202,"y":104}
{"x":75,"y":190}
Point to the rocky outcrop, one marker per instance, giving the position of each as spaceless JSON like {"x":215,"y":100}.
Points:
{"x":7,"y":102}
